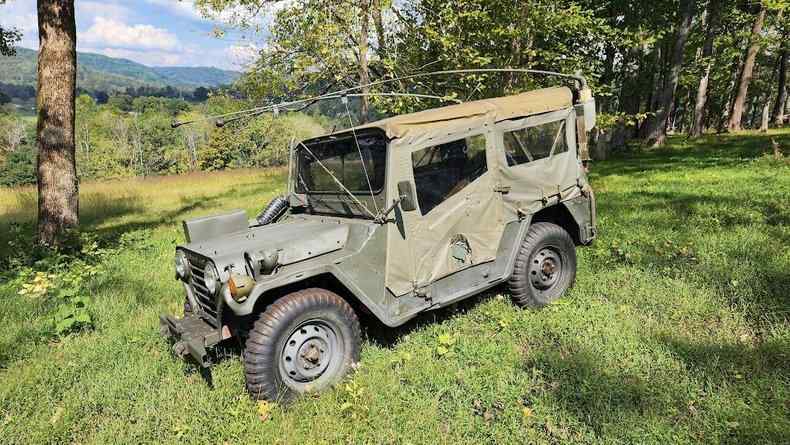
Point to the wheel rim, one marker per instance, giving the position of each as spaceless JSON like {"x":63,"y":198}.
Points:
{"x":545,"y":269}
{"x":310,"y":350}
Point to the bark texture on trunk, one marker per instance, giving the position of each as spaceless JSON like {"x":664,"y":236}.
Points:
{"x":364,"y":73}
{"x":381,"y":34}
{"x":711,"y":16}
{"x":747,"y":69}
{"x":778,"y":114}
{"x":657,"y":125}
{"x":58,"y":189}
{"x":765,"y":118}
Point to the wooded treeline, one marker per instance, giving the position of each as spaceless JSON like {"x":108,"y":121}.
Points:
{"x":133,"y":137}
{"x":655,"y":66}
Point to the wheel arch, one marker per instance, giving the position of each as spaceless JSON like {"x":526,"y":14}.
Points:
{"x":323,"y":280}
{"x":560,"y":215}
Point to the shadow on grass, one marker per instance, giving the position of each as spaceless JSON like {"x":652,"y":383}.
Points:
{"x":722,"y":388}
{"x":724,"y":364}
{"x":712,"y":151}
{"x":17,"y":227}
{"x":750,"y":271}
{"x":187,"y":206}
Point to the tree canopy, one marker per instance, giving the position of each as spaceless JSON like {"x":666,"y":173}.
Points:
{"x":644,"y":60}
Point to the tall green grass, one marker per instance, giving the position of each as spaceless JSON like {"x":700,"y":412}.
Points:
{"x":676,"y":331}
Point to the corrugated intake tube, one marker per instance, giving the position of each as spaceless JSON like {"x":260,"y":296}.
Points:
{"x":272,"y":211}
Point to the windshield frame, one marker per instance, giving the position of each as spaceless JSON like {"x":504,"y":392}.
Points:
{"x":300,"y":187}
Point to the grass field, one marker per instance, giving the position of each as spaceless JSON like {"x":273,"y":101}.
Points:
{"x":677,"y":330}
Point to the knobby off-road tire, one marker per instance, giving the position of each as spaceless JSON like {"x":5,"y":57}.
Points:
{"x":304,"y":342}
{"x":545,"y":266}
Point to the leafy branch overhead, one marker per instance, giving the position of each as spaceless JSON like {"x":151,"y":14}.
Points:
{"x":644,"y":60}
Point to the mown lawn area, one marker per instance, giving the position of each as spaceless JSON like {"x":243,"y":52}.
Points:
{"x":677,"y":330}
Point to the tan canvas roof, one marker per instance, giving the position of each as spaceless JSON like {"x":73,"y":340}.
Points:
{"x":501,"y":108}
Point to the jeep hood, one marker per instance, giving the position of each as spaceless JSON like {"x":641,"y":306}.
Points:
{"x":294,"y":241}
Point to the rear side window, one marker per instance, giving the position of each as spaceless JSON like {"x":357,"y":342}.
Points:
{"x":533,"y":143}
{"x":444,"y":170}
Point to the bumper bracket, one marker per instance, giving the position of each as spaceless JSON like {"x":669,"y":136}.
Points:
{"x":191,"y":336}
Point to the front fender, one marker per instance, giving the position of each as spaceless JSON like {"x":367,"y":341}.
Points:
{"x":267,"y":291}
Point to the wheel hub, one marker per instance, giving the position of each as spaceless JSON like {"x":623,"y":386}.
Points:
{"x":308,"y":352}
{"x":545,"y":268}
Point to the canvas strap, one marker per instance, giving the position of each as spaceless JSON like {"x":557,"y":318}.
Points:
{"x":581,"y":137}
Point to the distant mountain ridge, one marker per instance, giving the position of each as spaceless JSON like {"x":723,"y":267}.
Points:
{"x":96,"y":72}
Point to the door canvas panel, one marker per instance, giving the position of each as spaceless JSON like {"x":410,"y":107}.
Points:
{"x":462,"y":221}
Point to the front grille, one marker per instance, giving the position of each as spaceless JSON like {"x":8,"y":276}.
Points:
{"x":207,"y":302}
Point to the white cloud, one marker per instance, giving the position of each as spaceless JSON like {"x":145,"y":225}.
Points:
{"x":121,"y":28}
{"x":101,"y":9}
{"x":112,"y":33}
{"x":229,"y":16}
{"x":185,"y":8}
{"x":242,"y":54}
{"x":21,"y":15}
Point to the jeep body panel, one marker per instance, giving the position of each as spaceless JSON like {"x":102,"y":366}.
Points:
{"x":420,"y":259}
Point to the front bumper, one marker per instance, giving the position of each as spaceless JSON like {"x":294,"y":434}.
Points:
{"x":191,"y":335}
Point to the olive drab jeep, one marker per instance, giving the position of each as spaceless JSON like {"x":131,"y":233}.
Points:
{"x":397,"y":217}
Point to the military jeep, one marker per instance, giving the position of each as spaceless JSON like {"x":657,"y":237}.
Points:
{"x":397,"y":217}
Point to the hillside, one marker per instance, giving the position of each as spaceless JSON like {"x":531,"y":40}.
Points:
{"x":97,"y":72}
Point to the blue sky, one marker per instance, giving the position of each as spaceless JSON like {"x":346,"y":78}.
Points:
{"x":152,"y":32}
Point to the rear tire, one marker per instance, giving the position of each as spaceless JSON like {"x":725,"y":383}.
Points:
{"x":545,"y":266}
{"x":304,"y":342}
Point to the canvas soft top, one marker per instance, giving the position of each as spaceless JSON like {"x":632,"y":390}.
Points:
{"x":499,"y":109}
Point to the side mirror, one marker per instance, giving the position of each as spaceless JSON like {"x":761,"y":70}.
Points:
{"x":406,"y":193}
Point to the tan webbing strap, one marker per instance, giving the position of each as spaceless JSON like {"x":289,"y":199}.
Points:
{"x":581,"y":137}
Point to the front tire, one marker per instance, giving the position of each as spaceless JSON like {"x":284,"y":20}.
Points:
{"x":545,"y":266}
{"x":304,"y":342}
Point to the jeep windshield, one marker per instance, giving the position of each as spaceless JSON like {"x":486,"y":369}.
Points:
{"x":318,"y":160}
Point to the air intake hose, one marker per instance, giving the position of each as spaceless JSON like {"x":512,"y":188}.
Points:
{"x":273,"y":211}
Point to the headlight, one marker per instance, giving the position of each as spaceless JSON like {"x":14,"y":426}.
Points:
{"x":182,"y":265}
{"x":212,"y":278}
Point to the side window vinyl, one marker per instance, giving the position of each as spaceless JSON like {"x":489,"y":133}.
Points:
{"x":534,"y":143}
{"x":443,"y":170}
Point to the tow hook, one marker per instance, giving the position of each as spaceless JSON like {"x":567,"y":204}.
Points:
{"x":180,"y":349}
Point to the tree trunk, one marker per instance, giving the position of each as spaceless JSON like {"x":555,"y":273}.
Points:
{"x":381,"y":35}
{"x":712,"y":15}
{"x":629,"y":100}
{"x":765,"y":118}
{"x":58,"y":188}
{"x":656,"y":82}
{"x":781,"y":93}
{"x":608,"y":75}
{"x":657,"y":125}
{"x":753,"y":117}
{"x":745,"y":77}
{"x":364,"y":73}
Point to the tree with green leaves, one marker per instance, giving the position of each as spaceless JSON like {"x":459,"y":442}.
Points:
{"x":315,"y":45}
{"x":710,"y":22}
{"x":665,"y":94}
{"x":746,"y":70}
